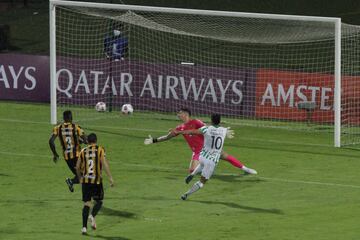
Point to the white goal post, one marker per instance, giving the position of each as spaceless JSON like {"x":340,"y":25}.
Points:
{"x":216,"y":64}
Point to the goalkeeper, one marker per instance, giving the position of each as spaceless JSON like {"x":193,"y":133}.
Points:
{"x":196,"y":142}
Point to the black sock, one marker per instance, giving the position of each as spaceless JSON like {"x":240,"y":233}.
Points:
{"x":96,"y":208}
{"x":75,"y":180}
{"x":85,"y":215}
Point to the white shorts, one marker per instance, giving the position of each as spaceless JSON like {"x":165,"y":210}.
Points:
{"x":208,"y":168}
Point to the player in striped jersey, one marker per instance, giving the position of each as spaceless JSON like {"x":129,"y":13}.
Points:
{"x":70,"y":136}
{"x":196,"y":142}
{"x":89,"y":171}
{"x":214,"y":138}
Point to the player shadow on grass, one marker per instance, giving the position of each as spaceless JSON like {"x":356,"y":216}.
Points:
{"x":107,"y":238}
{"x":249,"y":209}
{"x":4,"y":175}
{"x":227,"y":204}
{"x":117,"y":213}
{"x":237,"y":178}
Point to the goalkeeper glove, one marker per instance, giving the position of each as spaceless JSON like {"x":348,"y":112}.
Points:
{"x":149,"y":140}
{"x":229,"y":133}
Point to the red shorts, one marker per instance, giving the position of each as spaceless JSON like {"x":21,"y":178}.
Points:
{"x":195,"y":156}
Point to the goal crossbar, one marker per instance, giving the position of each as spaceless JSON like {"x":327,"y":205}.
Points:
{"x":192,"y":11}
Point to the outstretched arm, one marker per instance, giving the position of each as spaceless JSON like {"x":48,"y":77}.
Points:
{"x":108,"y":173}
{"x":78,"y":170}
{"x":83,"y":139}
{"x":151,"y":140}
{"x":52,"y":147}
{"x":190,"y":131}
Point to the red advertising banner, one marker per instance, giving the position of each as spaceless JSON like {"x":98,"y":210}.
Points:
{"x":350,"y":100}
{"x":282,"y":95}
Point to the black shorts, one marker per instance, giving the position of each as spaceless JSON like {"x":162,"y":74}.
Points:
{"x":72,"y":164}
{"x":92,"y":191}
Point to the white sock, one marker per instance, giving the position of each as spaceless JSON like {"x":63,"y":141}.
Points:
{"x":249,"y":170}
{"x":195,"y":187}
{"x":244,"y":168}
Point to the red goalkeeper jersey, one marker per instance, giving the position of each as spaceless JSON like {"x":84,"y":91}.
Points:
{"x":195,"y":141}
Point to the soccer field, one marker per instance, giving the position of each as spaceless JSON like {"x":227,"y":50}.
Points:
{"x":305,"y":189}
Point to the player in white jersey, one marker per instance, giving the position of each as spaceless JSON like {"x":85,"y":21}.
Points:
{"x":214,"y":138}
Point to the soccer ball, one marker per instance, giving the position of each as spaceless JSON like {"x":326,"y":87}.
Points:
{"x":127,"y":109}
{"x":100,"y":107}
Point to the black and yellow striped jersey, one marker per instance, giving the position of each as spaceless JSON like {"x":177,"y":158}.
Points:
{"x":91,"y":160}
{"x":69,"y":135}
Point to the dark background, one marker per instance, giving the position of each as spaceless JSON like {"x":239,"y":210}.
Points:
{"x":24,"y":23}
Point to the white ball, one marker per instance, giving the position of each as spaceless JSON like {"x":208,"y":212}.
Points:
{"x":127,"y":109}
{"x":100,"y":107}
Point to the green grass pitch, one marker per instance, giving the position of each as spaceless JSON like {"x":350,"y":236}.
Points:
{"x":305,"y":189}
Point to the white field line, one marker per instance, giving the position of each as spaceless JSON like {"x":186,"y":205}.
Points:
{"x":219,"y":173}
{"x":311,"y":182}
{"x":153,"y":219}
{"x":260,"y":177}
{"x":88,"y":126}
{"x":22,"y":121}
{"x":164,"y":131}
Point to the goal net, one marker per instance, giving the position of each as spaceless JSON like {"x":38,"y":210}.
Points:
{"x":255,"y":69}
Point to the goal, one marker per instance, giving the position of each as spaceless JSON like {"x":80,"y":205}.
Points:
{"x":284,"y":71}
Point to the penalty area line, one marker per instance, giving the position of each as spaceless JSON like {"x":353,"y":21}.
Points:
{"x":88,"y":126}
{"x":310,"y":182}
{"x":255,"y":176}
{"x":219,"y":173}
{"x":165,"y":131}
